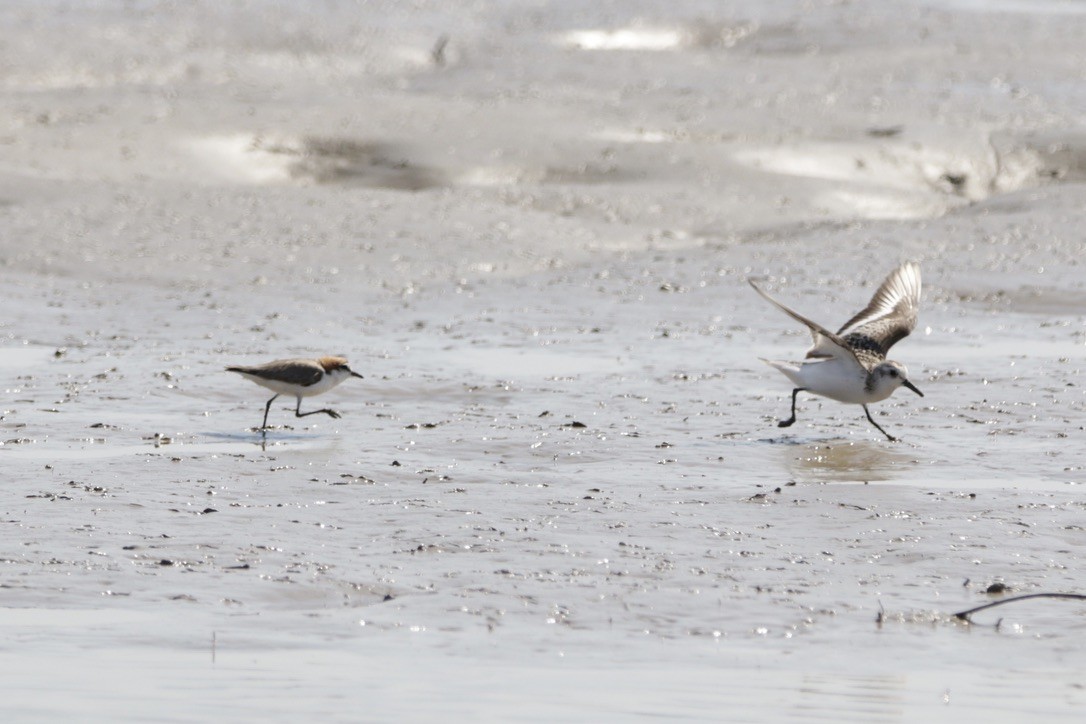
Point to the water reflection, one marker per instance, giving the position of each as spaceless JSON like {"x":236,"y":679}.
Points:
{"x":257,"y":438}
{"x":846,"y":461}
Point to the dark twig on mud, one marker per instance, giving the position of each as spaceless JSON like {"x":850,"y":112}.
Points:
{"x":964,"y":615}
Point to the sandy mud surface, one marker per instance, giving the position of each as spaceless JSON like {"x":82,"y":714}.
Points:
{"x":560,"y":491}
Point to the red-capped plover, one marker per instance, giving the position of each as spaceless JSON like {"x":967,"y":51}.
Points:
{"x":298,"y":377}
{"x":851,"y":366}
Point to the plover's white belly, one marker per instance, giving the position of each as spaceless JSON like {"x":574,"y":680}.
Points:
{"x":279,"y":387}
{"x":837,"y":381}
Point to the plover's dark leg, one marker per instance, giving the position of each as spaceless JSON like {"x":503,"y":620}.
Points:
{"x":870,"y":419}
{"x":264,"y":425}
{"x":791,"y":420}
{"x":298,"y":411}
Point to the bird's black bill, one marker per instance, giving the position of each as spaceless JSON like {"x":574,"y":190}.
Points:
{"x":913,"y":387}
{"x":355,"y":374}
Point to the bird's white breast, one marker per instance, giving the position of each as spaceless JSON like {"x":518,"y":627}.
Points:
{"x":326,"y":382}
{"x":836,"y":380}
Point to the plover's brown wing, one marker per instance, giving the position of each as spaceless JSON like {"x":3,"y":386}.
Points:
{"x":889,"y":317}
{"x":304,"y":372}
{"x":826,"y":344}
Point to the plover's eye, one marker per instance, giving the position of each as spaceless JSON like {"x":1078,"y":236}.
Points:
{"x":893,"y":373}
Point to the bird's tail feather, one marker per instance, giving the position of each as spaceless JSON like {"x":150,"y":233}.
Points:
{"x":788,"y":369}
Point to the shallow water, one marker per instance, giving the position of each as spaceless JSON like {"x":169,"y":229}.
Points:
{"x":456,"y":525}
{"x":560,"y":490}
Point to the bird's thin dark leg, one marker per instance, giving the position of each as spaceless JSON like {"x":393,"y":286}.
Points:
{"x":264,"y":425}
{"x":791,"y":420}
{"x":870,"y":419}
{"x":298,"y":411}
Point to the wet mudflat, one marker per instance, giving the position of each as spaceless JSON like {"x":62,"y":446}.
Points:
{"x":522,"y":489}
{"x":560,"y":492}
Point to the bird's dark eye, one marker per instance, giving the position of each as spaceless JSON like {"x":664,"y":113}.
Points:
{"x":893,"y":373}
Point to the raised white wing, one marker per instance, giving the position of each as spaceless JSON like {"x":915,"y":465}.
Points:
{"x":890,"y":315}
{"x":826,"y":344}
